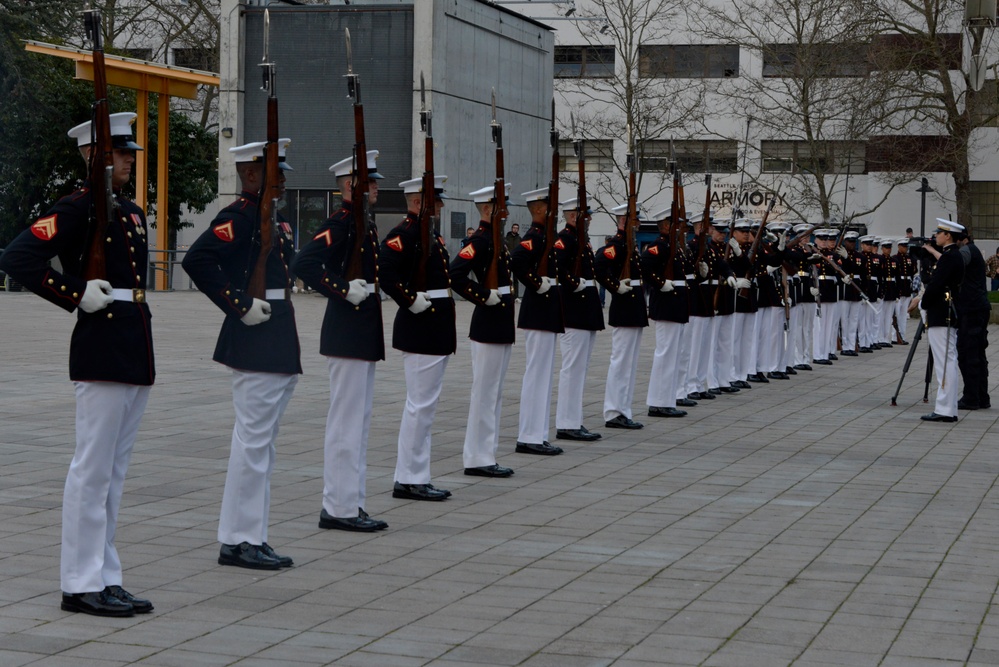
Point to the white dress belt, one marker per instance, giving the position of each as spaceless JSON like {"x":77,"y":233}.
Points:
{"x":503,"y":289}
{"x":679,"y":283}
{"x":690,"y":276}
{"x":132,"y":295}
{"x":586,"y":282}
{"x":828,"y":277}
{"x":274,"y":294}
{"x":636,"y":282}
{"x":439,"y":294}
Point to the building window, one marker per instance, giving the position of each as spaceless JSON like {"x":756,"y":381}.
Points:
{"x":688,"y":61}
{"x":984,"y":106}
{"x":598,"y":153}
{"x":693,"y":157}
{"x":985,"y":209}
{"x":137,"y":54}
{"x":910,"y":153}
{"x":909,"y":53}
{"x":815,"y":60}
{"x":823,"y":157}
{"x":196,"y":58}
{"x":572,"y":62}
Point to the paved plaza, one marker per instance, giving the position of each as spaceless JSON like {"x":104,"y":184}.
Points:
{"x":804,"y":522}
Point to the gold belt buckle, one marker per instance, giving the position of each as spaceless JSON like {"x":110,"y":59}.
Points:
{"x":139,"y":295}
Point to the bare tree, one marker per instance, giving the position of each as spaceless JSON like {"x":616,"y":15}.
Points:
{"x":811,"y":101}
{"x":604,"y":80}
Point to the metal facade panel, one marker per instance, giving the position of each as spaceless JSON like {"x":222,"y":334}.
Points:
{"x":307,"y":45}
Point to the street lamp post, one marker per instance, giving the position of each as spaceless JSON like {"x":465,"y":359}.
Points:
{"x":924,"y":187}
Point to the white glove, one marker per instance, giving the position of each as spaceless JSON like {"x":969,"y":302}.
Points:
{"x":841,"y":251}
{"x":847,"y":280}
{"x":624,"y":287}
{"x":259,"y":312}
{"x":814,"y":291}
{"x":782,"y":240}
{"x":702,"y":268}
{"x":580,"y":287}
{"x":494,"y":298}
{"x":97,"y":296}
{"x":357,"y":292}
{"x":667,"y":286}
{"x":420,"y":303}
{"x":815,"y":257}
{"x":743,"y":283}
{"x":736,"y":248}
{"x":773,"y":269}
{"x":546,"y":284}
{"x":730,"y":281}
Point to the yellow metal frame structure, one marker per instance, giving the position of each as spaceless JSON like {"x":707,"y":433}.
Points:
{"x":145,"y":78}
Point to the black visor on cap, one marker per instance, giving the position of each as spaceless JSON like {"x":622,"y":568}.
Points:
{"x":125,"y":141}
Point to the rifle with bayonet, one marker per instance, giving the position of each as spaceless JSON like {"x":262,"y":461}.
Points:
{"x":583,"y":209}
{"x":551,"y":215}
{"x":428,"y":203}
{"x":674,"y":216}
{"x":360,"y":184}
{"x":498,"y":217}
{"x":101,"y":159}
{"x":270,"y":190}
{"x":631,"y":223}
{"x":754,"y":248}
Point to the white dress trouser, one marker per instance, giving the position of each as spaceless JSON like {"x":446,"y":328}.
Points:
{"x":792,"y":339}
{"x":536,"y":390}
{"x":663,"y":377}
{"x":771,"y":339}
{"x":715,"y":354}
{"x":576,"y":346}
{"x":806,"y":341}
{"x":747,"y":338}
{"x":944,"y":348}
{"x":619,"y":392}
{"x":345,"y":452}
{"x":870,"y":322}
{"x":701,"y":344}
{"x":489,"y":363}
{"x":825,"y":334}
{"x":424,"y":379}
{"x":851,"y":326}
{"x":107,"y":420}
{"x":902,"y":314}
{"x":887,"y":311}
{"x":259,"y":400}
{"x":683,"y":361}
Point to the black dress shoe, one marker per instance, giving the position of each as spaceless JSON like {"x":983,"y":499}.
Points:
{"x":715,"y":390}
{"x":693,"y":396}
{"x":489,"y":471}
{"x":885,"y":344}
{"x":686,"y":402}
{"x":833,"y":357}
{"x":728,"y":390}
{"x":866,"y":350}
{"x":417,"y":492}
{"x":822,"y":362}
{"x":875,"y":346}
{"x":139,"y":605}
{"x":790,"y":371}
{"x":357,"y":524}
{"x":803,"y":367}
{"x":97,"y":603}
{"x":381,"y":525}
{"x":589,"y":432}
{"x":964,"y":405}
{"x":742,"y":384}
{"x":849,"y":353}
{"x":902,"y":342}
{"x":575,"y":434}
{"x":623,"y":422}
{"x":706,"y":396}
{"x":760,"y":377}
{"x":447,"y":494}
{"x":655,"y":411}
{"x":284,"y":561}
{"x":934,"y":417}
{"x":541,"y":449}
{"x":777,"y":375}
{"x":247,"y":555}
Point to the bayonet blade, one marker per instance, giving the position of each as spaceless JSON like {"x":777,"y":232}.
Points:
{"x":423,"y":95}
{"x":494,"y":107}
{"x":350,"y":53}
{"x":267,"y":32}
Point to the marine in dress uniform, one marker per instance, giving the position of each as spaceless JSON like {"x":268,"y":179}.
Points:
{"x":110,"y":363}
{"x":424,"y":332}
{"x":870,"y":283}
{"x":771,"y":302}
{"x":720,"y":367}
{"x":584,"y":317}
{"x":627,"y":316}
{"x":941,"y":319}
{"x":669,"y":310}
{"x":492,"y":333}
{"x":352,"y":341}
{"x":802,"y":266}
{"x":851,"y":307}
{"x":747,"y":334}
{"x":259,"y":342}
{"x":828,"y":297}
{"x":541,"y":320}
{"x":697,"y":339}
{"x":905,"y":269}
{"x":889,"y":292}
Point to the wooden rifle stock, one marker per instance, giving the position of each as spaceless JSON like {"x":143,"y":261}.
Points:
{"x":359,"y":185}
{"x":551,"y":215}
{"x":674,"y":220}
{"x":630,"y":224}
{"x":755,"y":247}
{"x":583,"y":214}
{"x":500,"y":212}
{"x":101,"y":160}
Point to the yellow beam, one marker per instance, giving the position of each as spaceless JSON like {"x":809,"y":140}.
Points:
{"x":162,"y":190}
{"x":142,"y":157}
{"x":136,"y":80}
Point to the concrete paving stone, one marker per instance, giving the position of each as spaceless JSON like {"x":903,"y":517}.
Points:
{"x":18,"y":658}
{"x":739,"y":653}
{"x":931,"y":644}
{"x":484,"y":655}
{"x":99,"y":650}
{"x":269,"y":661}
{"x":181,"y":658}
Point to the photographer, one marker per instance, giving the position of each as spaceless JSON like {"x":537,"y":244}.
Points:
{"x":973,"y":311}
{"x":941,"y":319}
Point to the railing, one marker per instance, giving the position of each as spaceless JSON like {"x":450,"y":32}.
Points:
{"x":162,"y":270}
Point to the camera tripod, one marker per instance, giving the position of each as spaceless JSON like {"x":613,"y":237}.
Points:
{"x":908,"y":362}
